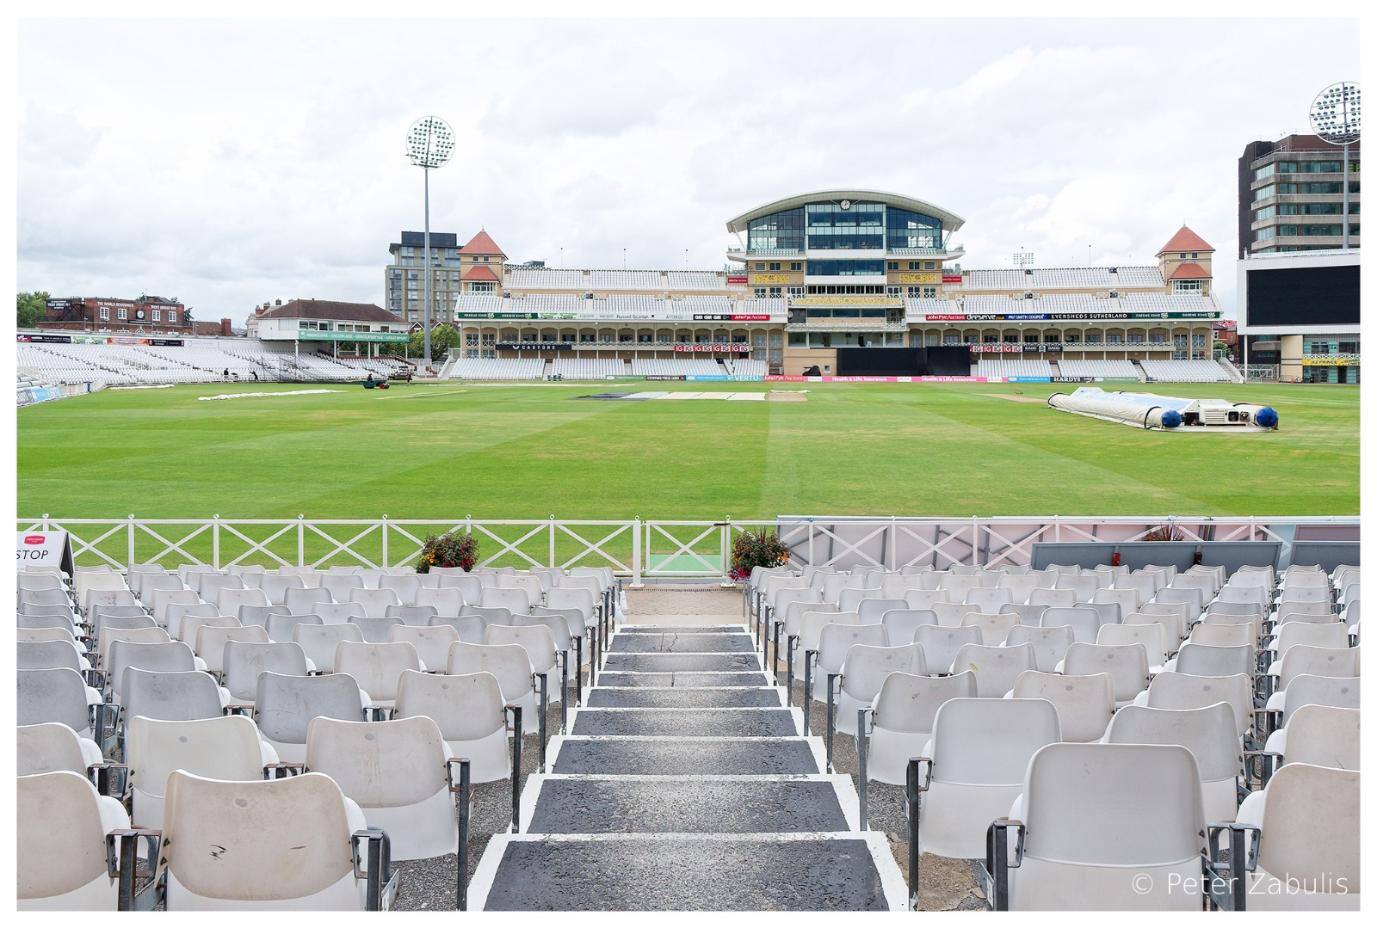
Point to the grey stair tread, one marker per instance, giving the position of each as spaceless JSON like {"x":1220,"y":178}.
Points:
{"x":681,"y":629}
{"x":738,"y":723}
{"x":674,"y":663}
{"x":687,"y":678}
{"x":684,"y":698}
{"x":629,"y":806}
{"x":686,"y":757}
{"x":625,"y":643}
{"x":715,"y":874}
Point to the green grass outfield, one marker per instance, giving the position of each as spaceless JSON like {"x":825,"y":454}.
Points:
{"x":512,"y":452}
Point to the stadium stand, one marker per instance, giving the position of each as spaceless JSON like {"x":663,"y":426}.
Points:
{"x":1014,"y":368}
{"x":1108,"y":370}
{"x":1186,"y":371}
{"x":587,"y":368}
{"x":498,"y":369}
{"x":1248,"y":733}
{"x":676,"y":367}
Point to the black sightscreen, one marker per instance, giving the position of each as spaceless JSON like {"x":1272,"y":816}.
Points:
{"x":1303,"y":296}
{"x":904,"y":362}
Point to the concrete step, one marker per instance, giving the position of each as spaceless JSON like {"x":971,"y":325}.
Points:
{"x":718,"y":723}
{"x":828,"y":872}
{"x":578,"y":804}
{"x":681,"y":629}
{"x":681,"y":643}
{"x":678,"y":663}
{"x":688,"y":679}
{"x":684,"y":756}
{"x":682,"y":697}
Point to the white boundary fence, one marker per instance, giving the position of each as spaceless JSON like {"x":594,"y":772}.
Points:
{"x":640,"y":549}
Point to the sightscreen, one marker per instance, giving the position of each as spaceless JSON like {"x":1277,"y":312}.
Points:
{"x":904,"y":362}
{"x":1303,"y":296}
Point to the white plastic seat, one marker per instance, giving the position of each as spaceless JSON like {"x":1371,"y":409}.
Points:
{"x":471,"y":714}
{"x":511,"y":665}
{"x":470,"y":587}
{"x":282,"y":626}
{"x":515,"y":601}
{"x":377,"y":667}
{"x":539,"y":643}
{"x":1049,"y":644}
{"x":1325,"y":635}
{"x":994,"y":627}
{"x":178,"y":613}
{"x":1208,"y":732}
{"x":245,"y":660}
{"x":950,"y":615}
{"x":1083,"y":621}
{"x":42,"y":655}
{"x":988,"y":600}
{"x":398,"y":773}
{"x":211,"y":641}
{"x":995,"y":667}
{"x":259,"y":615}
{"x":940,"y":644}
{"x":278,"y":587}
{"x":863,"y":674}
{"x":902,"y":719}
{"x":1327,"y":736}
{"x":1224,"y":635}
{"x":1210,"y":661}
{"x":1126,"y":664}
{"x":1084,"y":704}
{"x":172,"y":696}
{"x":1188,"y":691}
{"x":50,"y":746}
{"x":432,"y":643}
{"x":445,"y":602}
{"x":834,"y":643}
{"x":375,"y":602}
{"x":406,"y":587}
{"x":926,"y":599}
{"x":300,"y":600}
{"x":229,"y":600}
{"x":340,"y":586}
{"x":979,"y":752}
{"x":412,"y":615}
{"x":872,"y":610}
{"x":901,"y":625}
{"x":1310,"y":689}
{"x":262,"y":826}
{"x":158,"y":657}
{"x":227,"y":747}
{"x":61,"y":825}
{"x":285,"y":704}
{"x":567,"y":597}
{"x":1109,"y":827}
{"x":1235,"y":593}
{"x":1149,"y":636}
{"x":1308,"y":853}
{"x":56,"y":694}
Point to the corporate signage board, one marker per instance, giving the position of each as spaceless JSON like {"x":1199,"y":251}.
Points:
{"x":712,"y":347}
{"x":772,"y":279}
{"x":731,"y":317}
{"x":825,"y":302}
{"x":315,"y":335}
{"x":952,"y":278}
{"x":535,"y":346}
{"x":44,"y":549}
{"x":44,"y":337}
{"x":736,"y":280}
{"x":927,"y":278}
{"x":1062,"y":317}
{"x":1330,"y":360}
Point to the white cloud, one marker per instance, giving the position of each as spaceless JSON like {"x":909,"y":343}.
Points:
{"x":236,"y":161}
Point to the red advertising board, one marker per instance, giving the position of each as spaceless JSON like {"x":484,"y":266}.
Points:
{"x":736,"y":279}
{"x":951,"y":278}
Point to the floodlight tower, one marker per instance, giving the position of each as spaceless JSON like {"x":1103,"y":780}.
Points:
{"x":1336,"y":115}
{"x":429,"y":143}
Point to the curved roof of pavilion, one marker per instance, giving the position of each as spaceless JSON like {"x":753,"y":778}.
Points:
{"x":950,"y":221}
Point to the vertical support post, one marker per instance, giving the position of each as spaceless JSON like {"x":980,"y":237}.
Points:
{"x":726,"y":551}
{"x":300,"y":540}
{"x":551,"y":562}
{"x":911,"y":796}
{"x":385,"y":561}
{"x":130,"y":533}
{"x":517,"y":734}
{"x":636,"y":552}
{"x":425,"y":262}
{"x":862,"y":778}
{"x":215,"y":542}
{"x":461,"y":892}
{"x":1345,"y":248}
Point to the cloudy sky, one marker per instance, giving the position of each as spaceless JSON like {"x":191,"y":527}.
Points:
{"x":231,"y":162}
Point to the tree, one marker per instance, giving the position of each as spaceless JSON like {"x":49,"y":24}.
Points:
{"x":443,"y":339}
{"x":32,"y":307}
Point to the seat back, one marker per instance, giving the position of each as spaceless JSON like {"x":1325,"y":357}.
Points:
{"x":1327,"y":736}
{"x":1310,"y":689}
{"x":42,"y":655}
{"x":282,"y":627}
{"x":375,"y":602}
{"x":872,"y":611}
{"x":245,"y":660}
{"x":173,"y":696}
{"x":406,"y":587}
{"x":909,"y":702}
{"x":278,"y":587}
{"x":995,"y":667}
{"x":835,"y":641}
{"x":537,"y":640}
{"x":509,"y":663}
{"x":46,"y":747}
{"x":376,"y":666}
{"x":159,"y":657}
{"x":432,"y":642}
{"x":260,"y":825}
{"x":226,"y":748}
{"x":301,"y":599}
{"x":444,"y":601}
{"x":56,"y":694}
{"x":1210,"y":661}
{"x":1310,"y":827}
{"x":1049,"y":644}
{"x":211,"y":641}
{"x":868,"y":665}
{"x":1149,"y":636}
{"x":413,"y":615}
{"x":990,"y":741}
{"x":1189,"y":691}
{"x":902,"y":624}
{"x":285,"y":704}
{"x":1076,"y":809}
{"x":994,"y":627}
{"x":940,"y":644}
{"x":1127,"y":664}
{"x":1083,"y":621}
{"x":925,"y":599}
{"x":465,"y":706}
{"x":379,"y":764}
{"x":60,"y":827}
{"x":515,"y":601}
{"x":1208,"y":732}
{"x":1084,"y":704}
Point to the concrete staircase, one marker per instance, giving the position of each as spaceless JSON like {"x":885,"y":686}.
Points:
{"x":684,"y":783}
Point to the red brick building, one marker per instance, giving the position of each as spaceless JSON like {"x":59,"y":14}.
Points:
{"x":143,"y":315}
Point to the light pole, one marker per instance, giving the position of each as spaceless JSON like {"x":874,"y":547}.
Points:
{"x":1336,"y":115}
{"x":429,"y":143}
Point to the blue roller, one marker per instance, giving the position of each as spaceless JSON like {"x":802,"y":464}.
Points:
{"x":1266,"y":417}
{"x":1171,"y":419}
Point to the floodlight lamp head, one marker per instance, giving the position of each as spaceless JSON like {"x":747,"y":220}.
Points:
{"x":429,"y":142}
{"x":1337,"y":113}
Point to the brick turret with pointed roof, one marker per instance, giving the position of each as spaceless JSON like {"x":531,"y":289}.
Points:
{"x":1186,"y":257}
{"x":482,"y":262}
